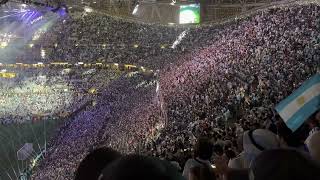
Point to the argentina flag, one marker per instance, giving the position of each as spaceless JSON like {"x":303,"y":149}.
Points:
{"x":301,"y":104}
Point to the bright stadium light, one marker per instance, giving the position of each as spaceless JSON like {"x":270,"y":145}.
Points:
{"x":23,"y":5}
{"x":135,"y":10}
{"x":3,"y":44}
{"x":88,"y":9}
{"x":33,"y":163}
{"x":36,"y":20}
{"x":187,"y":15}
{"x":43,"y":53}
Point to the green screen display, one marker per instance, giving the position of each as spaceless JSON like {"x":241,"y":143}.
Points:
{"x":189,"y":14}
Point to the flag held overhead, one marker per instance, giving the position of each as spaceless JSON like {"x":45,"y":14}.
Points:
{"x":301,"y":104}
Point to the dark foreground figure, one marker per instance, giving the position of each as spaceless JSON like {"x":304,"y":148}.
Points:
{"x":274,"y":164}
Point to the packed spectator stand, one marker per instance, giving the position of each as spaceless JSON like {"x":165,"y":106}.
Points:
{"x":237,"y":74}
{"x":220,"y":82}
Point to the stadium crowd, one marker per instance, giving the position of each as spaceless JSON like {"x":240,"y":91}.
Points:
{"x":234,"y":84}
{"x":32,"y":94}
{"x":220,"y":82}
{"x":48,"y":93}
{"x":103,"y":122}
{"x":103,"y":38}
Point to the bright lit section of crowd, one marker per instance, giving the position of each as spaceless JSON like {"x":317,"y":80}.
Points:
{"x":48,"y":93}
{"x":31,"y":94}
{"x":221,"y":109}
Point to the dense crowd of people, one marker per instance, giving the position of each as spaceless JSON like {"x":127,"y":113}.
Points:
{"x":103,"y":122}
{"x":48,"y":93}
{"x":33,"y":94}
{"x":220,"y":82}
{"x":95,"y":37}
{"x":250,"y":66}
{"x":230,"y":84}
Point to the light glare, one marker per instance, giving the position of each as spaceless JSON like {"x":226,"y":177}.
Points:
{"x":135,"y":10}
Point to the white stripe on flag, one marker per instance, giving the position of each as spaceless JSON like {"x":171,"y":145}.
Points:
{"x":299,"y":102}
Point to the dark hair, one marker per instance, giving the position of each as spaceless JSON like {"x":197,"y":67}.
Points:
{"x":141,"y":168}
{"x":281,"y":164}
{"x":273,"y":128}
{"x":313,"y":120}
{"x":217,"y":148}
{"x":92,"y":165}
{"x":203,"y":148}
{"x":289,"y":137}
{"x":230,"y":154}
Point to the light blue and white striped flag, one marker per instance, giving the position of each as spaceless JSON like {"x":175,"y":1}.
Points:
{"x":301,"y":104}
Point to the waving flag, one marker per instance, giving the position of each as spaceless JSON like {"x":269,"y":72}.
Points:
{"x":301,"y":104}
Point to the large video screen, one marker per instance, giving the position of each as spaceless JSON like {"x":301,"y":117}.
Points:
{"x":189,"y":14}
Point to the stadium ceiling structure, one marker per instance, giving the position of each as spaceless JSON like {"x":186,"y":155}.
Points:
{"x":158,"y":11}
{"x":211,"y":10}
{"x":54,"y":3}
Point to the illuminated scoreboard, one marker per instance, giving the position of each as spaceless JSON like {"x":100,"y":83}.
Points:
{"x":189,"y":14}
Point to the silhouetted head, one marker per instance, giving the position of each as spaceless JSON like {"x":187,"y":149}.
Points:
{"x":203,"y":148}
{"x":142,"y":168}
{"x":284,"y":164}
{"x":92,"y":165}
